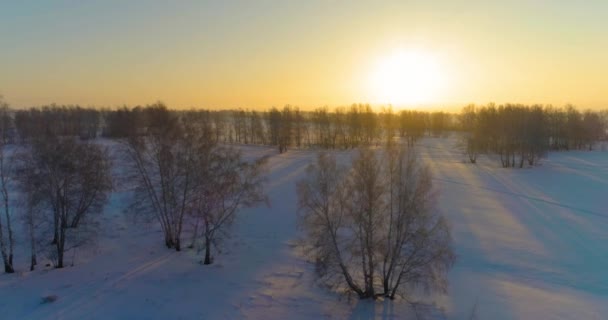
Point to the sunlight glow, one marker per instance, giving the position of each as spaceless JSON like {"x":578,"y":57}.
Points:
{"x":407,"y":77}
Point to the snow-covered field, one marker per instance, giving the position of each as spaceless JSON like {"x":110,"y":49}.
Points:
{"x":531,"y":244}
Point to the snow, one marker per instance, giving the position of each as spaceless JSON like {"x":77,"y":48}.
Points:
{"x":531,"y":244}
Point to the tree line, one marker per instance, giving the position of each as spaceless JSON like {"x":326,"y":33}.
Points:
{"x":521,"y":134}
{"x":517,"y":133}
{"x":291,"y":127}
{"x":287,"y":127}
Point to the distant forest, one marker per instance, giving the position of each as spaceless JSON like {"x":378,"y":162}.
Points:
{"x":519,"y":134}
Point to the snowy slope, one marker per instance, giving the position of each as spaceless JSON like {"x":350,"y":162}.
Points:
{"x":531,"y":244}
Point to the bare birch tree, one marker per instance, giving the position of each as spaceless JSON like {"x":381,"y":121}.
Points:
{"x":163,"y":161}
{"x":323,"y":218}
{"x":181,"y":173}
{"x":225,"y":183}
{"x":417,"y":250}
{"x":7,"y":241}
{"x":70,"y":181}
{"x":373,"y":231}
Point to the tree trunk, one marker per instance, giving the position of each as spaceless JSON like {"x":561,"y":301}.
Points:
{"x":8,"y":267}
{"x":56,"y":223}
{"x":11,"y":242}
{"x":168,"y":242}
{"x":385,"y":285}
{"x":30,"y":218}
{"x":55,"y":229}
{"x":59,"y":257}
{"x":33,"y":262}
{"x":207,"y":251}
{"x":61,"y":245}
{"x":6,"y":258}
{"x":194,"y":234}
{"x":178,"y":246}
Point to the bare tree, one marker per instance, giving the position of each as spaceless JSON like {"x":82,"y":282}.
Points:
{"x":285,"y":129}
{"x":224,"y":184}
{"x":372,"y":231}
{"x":594,"y":129}
{"x":7,"y":125}
{"x":322,"y":216}
{"x":161,"y":163}
{"x":418,"y":250}
{"x":7,"y":242}
{"x":70,"y":180}
{"x":471,"y":139}
{"x":366,"y":188}
{"x":412,"y":125}
{"x":31,"y":217}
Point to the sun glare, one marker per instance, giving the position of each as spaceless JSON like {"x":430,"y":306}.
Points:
{"x":406,"y":77}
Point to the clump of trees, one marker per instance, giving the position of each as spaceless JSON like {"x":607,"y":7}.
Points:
{"x":522,"y":134}
{"x":183,"y":176}
{"x":413,"y":125}
{"x":55,"y":120}
{"x":371,"y":228}
{"x":68,"y":181}
{"x":162,"y":167}
{"x":122,"y":122}
{"x":63,"y":179}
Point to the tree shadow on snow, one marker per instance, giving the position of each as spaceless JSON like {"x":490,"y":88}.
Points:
{"x":389,"y":310}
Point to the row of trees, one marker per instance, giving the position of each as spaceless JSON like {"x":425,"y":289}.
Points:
{"x":55,"y":120}
{"x":291,"y":127}
{"x":285,"y":128}
{"x":488,"y":128}
{"x":340,"y":128}
{"x":520,"y":133}
{"x":60,"y":180}
{"x":182,"y":177}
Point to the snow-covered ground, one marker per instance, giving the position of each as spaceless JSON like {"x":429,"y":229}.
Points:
{"x":531,"y":244}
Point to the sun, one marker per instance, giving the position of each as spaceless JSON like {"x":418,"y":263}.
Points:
{"x":406,"y":77}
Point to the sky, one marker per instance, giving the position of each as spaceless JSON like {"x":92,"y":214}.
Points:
{"x":258,"y":54}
